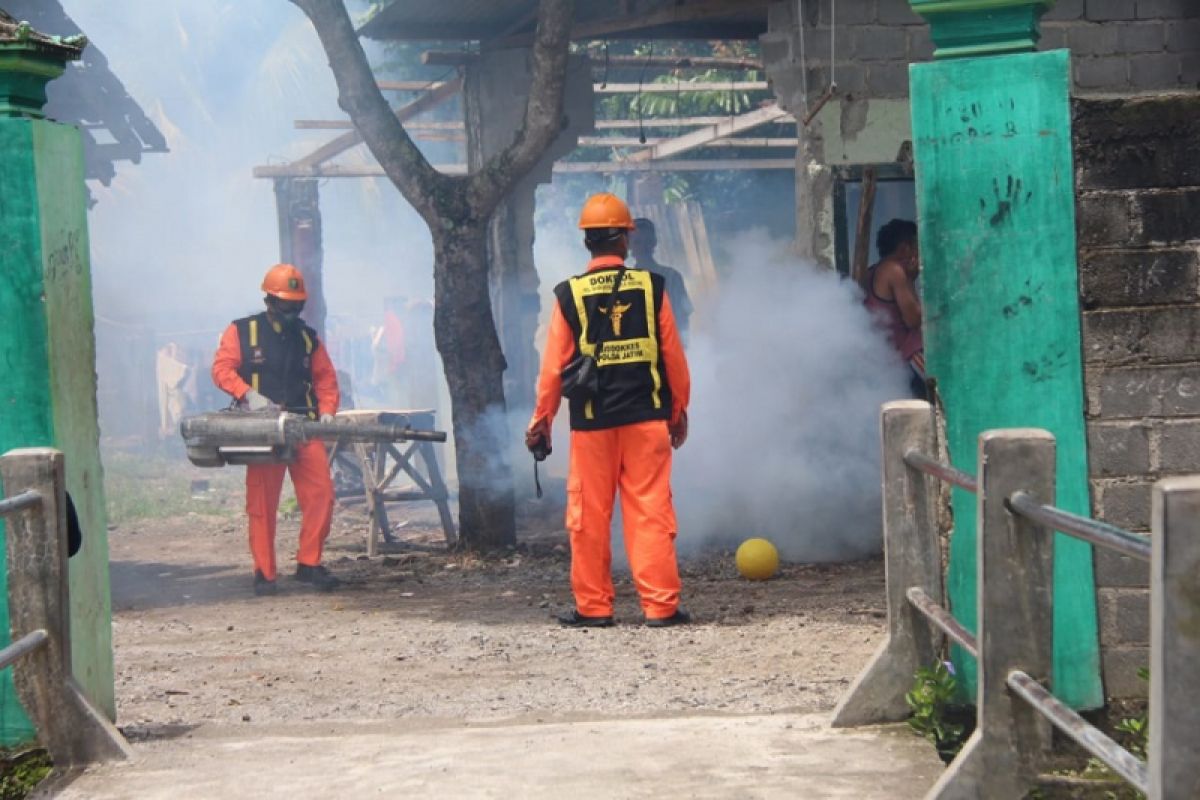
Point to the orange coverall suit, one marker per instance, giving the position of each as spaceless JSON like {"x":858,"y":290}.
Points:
{"x":309,"y":469}
{"x":634,"y":457}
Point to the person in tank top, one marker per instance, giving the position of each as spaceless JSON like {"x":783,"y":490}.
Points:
{"x":891,"y":295}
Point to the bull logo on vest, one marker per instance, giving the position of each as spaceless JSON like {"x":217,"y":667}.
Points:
{"x":256,"y":355}
{"x":618,"y":314}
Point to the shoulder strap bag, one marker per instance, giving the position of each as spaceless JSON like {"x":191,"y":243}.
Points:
{"x":581,"y":376}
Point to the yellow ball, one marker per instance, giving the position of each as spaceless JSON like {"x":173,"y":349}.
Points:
{"x":757,"y":559}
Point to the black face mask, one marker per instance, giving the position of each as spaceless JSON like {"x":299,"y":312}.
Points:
{"x":287,"y":313}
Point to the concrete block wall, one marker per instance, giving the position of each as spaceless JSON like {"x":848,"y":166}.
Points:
{"x":1138,"y":202}
{"x":1118,"y":46}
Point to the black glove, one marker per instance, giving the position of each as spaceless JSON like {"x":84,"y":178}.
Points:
{"x":537,"y":440}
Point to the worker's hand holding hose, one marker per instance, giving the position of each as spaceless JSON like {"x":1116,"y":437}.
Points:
{"x":537,"y":439}
{"x":255,"y":401}
{"x":678,"y":430}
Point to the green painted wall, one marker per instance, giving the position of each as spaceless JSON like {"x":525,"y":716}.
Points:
{"x":62,"y":203}
{"x":25,"y":420}
{"x":49,"y":390}
{"x":995,"y":197}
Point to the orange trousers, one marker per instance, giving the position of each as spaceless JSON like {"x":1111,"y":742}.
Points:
{"x":637,"y":460}
{"x":314,"y":493}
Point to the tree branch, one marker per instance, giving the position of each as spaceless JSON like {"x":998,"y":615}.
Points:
{"x":543,"y":111}
{"x":360,"y":97}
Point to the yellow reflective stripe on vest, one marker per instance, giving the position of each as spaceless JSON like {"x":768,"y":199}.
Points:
{"x":254,"y":343}
{"x":653,"y":348}
{"x":308,"y":392}
{"x":625,"y":351}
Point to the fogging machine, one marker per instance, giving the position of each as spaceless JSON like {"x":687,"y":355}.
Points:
{"x":270,"y":437}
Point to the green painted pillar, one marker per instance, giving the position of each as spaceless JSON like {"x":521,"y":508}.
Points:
{"x":47,"y":346}
{"x":995,"y":199}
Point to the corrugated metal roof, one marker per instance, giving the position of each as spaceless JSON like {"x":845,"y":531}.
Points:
{"x":476,"y":20}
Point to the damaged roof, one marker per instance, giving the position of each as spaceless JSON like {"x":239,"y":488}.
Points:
{"x":88,"y":95}
{"x":13,"y":30}
{"x":482,"y":20}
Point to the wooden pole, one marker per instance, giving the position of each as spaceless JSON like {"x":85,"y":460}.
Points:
{"x":297,"y":204}
{"x":862,"y":234}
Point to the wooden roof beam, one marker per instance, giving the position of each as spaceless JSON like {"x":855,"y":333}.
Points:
{"x":459,"y":58}
{"x":681,"y":86}
{"x":625,"y":23}
{"x":352,"y":138}
{"x":562,"y":167}
{"x":610,"y":88}
{"x":710,"y":133}
{"x":680,"y":122}
{"x":601,"y":124}
{"x":633,"y":141}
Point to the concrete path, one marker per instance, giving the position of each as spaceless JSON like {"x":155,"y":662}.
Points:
{"x":780,"y":756}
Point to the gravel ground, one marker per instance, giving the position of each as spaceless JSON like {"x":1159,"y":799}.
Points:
{"x":419,"y":633}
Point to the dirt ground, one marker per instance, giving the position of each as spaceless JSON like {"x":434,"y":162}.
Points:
{"x":422,"y":634}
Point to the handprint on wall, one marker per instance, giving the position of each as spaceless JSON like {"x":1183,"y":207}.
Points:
{"x":1013,"y":196}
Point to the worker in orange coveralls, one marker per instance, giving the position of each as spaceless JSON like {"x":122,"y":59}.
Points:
{"x":273,"y":360}
{"x":622,"y":438}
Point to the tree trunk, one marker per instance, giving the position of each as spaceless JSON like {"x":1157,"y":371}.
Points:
{"x":474,"y":364}
{"x":457,"y":210}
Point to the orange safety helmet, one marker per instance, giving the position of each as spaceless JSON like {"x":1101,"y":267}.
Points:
{"x":285,"y":282}
{"x":605,"y":211}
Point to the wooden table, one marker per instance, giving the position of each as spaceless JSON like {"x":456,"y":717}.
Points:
{"x":383,"y":462}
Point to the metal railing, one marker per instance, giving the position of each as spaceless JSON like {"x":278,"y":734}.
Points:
{"x":67,"y":724}
{"x":1014,"y":490}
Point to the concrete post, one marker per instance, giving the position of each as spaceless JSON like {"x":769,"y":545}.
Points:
{"x":1016,"y":593}
{"x":70,"y":727}
{"x":814,"y":198}
{"x":911,"y":554}
{"x":1174,"y":755}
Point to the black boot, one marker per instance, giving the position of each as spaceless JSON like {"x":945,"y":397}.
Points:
{"x":577,"y":620}
{"x":318,"y":576}
{"x":680,"y":617}
{"x":262,"y":586}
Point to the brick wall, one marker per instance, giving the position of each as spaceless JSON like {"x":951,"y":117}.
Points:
{"x":1138,"y":185}
{"x":1118,"y":46}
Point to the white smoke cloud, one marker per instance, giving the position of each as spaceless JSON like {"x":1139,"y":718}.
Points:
{"x":181,"y":240}
{"x":788,"y":372}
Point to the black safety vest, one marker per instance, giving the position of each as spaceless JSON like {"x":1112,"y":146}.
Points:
{"x":633,"y":379}
{"x":278,"y":363}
